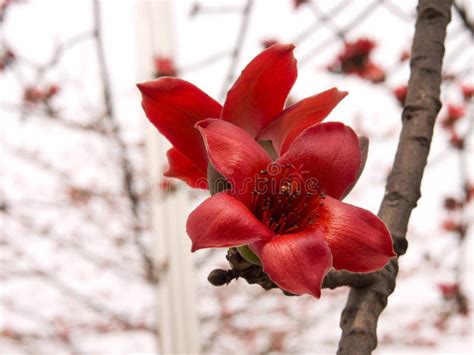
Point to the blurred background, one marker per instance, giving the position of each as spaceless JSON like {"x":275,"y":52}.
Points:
{"x":94,"y":255}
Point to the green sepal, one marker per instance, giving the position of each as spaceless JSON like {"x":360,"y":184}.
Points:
{"x":248,"y":255}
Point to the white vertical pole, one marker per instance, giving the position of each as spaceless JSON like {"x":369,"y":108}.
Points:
{"x":177,"y":312}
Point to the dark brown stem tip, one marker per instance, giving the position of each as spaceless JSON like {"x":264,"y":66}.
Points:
{"x":400,"y":245}
{"x":219,"y":277}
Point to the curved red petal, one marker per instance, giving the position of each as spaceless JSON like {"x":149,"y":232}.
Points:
{"x":179,"y":166}
{"x":298,"y":262}
{"x":330,"y":153}
{"x":224,"y":221}
{"x":295,"y":119}
{"x":234,"y":154}
{"x":364,"y":151}
{"x":174,"y":106}
{"x":359,"y":240}
{"x":260,"y":92}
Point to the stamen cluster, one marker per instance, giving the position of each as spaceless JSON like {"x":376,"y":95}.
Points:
{"x":285,"y":199}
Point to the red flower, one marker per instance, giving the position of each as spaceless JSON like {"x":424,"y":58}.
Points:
{"x":467,"y":92}
{"x":405,"y":55}
{"x":298,"y":3}
{"x":456,"y":141}
{"x":35,"y":95}
{"x":358,"y":49}
{"x":255,"y":103}
{"x":469,"y":189}
{"x":6,"y":59}
{"x":289,"y":211}
{"x":455,"y":112}
{"x":52,"y":90}
{"x":449,"y":290}
{"x":401,"y":94}
{"x":355,"y":59}
{"x":451,"y":226}
{"x":164,"y":66}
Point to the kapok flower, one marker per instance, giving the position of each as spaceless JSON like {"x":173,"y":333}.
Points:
{"x":254,"y":103}
{"x":449,"y":290}
{"x":7,"y":58}
{"x":298,"y":3}
{"x":34,"y":95}
{"x":450,"y":225}
{"x":400,"y":93}
{"x":288,"y":211}
{"x":467,"y":91}
{"x":355,"y":59}
{"x":453,"y":115}
{"x":164,"y":66}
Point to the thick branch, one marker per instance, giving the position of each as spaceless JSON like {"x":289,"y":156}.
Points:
{"x":364,"y":305}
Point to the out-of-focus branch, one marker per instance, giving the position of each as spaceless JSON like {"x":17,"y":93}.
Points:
{"x":206,"y":62}
{"x":359,"y":18}
{"x":320,"y":20}
{"x":461,"y":11}
{"x":364,"y":305}
{"x":87,"y":301}
{"x":321,"y":17}
{"x":237,"y":48}
{"x":126,"y":166}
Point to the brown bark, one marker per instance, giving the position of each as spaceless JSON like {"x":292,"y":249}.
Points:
{"x":364,"y":305}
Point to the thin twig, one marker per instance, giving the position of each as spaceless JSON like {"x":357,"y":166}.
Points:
{"x":317,"y":24}
{"x":117,"y":136}
{"x":349,"y":26}
{"x":237,"y":49}
{"x":461,"y":11}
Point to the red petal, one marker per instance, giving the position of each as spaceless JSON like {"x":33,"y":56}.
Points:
{"x":260,"y":92}
{"x":283,"y":130}
{"x":179,"y":166}
{"x":174,"y":106}
{"x":330,"y":153}
{"x":359,"y":240}
{"x":296,"y":262}
{"x":223,"y":221}
{"x":234,"y":154}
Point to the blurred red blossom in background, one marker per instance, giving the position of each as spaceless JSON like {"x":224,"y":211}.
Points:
{"x":35,"y":95}
{"x":453,"y":114}
{"x":6,"y":59}
{"x":164,"y":66}
{"x":355,"y":59}
{"x":401,"y":94}
{"x":467,"y":91}
{"x":298,"y":3}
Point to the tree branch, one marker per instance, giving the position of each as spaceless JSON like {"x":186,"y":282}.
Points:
{"x":461,"y":11}
{"x":238,"y":47}
{"x":364,"y":305}
{"x":253,"y":274}
{"x":127,"y":169}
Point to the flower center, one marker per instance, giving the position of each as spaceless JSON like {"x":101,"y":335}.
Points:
{"x":286,"y":199}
